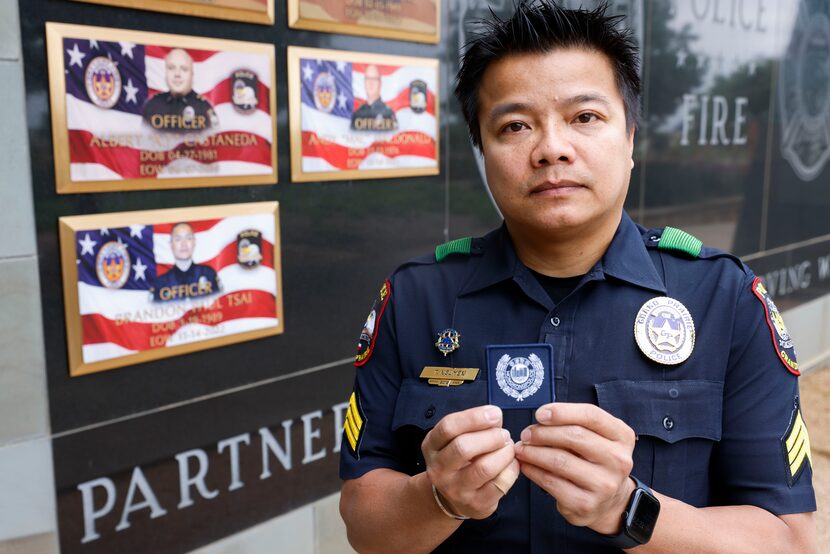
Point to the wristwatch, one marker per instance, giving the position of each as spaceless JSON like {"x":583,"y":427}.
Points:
{"x":638,"y":519}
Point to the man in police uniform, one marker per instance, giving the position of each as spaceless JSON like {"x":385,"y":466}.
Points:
{"x":374,"y":115}
{"x":180,"y":108}
{"x":185,"y":279}
{"x":676,"y":423}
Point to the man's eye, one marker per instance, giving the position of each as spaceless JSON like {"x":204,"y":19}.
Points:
{"x":514,"y":127}
{"x":586,"y":117}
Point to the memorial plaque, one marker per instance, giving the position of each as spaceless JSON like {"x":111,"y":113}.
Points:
{"x":134,"y":110}
{"x":355,"y":115}
{"x":140,"y":286}
{"x":416,"y":20}
{"x":249,"y":11}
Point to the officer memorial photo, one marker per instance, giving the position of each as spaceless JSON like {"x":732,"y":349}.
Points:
{"x":185,"y":279}
{"x":359,"y":115}
{"x":152,"y":284}
{"x":179,"y":109}
{"x":137,"y":110}
{"x":374,"y":115}
{"x":606,"y":386}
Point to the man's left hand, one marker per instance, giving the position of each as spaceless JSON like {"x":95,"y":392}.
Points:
{"x":582,"y":456}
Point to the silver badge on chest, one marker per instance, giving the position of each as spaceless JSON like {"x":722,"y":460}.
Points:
{"x":665,"y":331}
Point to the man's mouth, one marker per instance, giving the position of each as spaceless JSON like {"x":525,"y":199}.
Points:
{"x":555,"y":187}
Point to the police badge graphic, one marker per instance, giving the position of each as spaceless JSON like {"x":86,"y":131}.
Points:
{"x":325,"y":91}
{"x":103,"y":82}
{"x":804,"y":100}
{"x":418,"y":96}
{"x":249,"y":248}
{"x":665,"y":331}
{"x":520,"y":376}
{"x":244,"y":91}
{"x":112,"y":265}
{"x":188,"y":114}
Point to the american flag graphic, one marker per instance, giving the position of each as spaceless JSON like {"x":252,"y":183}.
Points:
{"x":112,"y":142}
{"x":118,"y":269}
{"x":329,"y":143}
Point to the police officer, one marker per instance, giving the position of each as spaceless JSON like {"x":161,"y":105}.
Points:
{"x":180,"y":108}
{"x":675,"y":423}
{"x":374,"y":115}
{"x":185,"y":279}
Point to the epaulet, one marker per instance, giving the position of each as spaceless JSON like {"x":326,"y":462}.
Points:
{"x":675,"y":240}
{"x":457,"y":246}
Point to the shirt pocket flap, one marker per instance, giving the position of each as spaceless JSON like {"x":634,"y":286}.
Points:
{"x":669,"y":410}
{"x":424,"y":405}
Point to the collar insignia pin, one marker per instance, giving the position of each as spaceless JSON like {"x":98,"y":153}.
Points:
{"x":448,"y":341}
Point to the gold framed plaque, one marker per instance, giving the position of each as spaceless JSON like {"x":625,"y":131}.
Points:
{"x":355,"y":115}
{"x":139,"y":286}
{"x":415,"y":20}
{"x":248,"y":11}
{"x":134,"y":110}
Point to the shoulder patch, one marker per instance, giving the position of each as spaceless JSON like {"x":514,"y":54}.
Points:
{"x":457,"y":246}
{"x":369,"y":333}
{"x":781,"y":339}
{"x":354,"y":424}
{"x":796,"y":446}
{"x":680,"y":241}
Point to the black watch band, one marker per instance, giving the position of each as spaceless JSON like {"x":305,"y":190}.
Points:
{"x":638,"y":519}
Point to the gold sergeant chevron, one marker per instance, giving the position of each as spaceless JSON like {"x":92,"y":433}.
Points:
{"x":797,"y":446}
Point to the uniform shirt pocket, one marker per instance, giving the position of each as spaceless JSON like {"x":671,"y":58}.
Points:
{"x":420,"y":407}
{"x":424,"y":405}
{"x":676,"y":423}
{"x":669,"y":410}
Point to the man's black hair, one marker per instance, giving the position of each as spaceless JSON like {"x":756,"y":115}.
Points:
{"x":540,"y":26}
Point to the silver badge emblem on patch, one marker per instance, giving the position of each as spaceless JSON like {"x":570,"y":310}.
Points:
{"x":520,"y":377}
{"x":665,"y":331}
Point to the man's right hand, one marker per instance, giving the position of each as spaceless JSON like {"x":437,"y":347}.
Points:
{"x":464,"y":452}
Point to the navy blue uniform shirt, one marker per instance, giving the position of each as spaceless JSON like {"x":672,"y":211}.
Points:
{"x":197,"y":280}
{"x":713,"y":430}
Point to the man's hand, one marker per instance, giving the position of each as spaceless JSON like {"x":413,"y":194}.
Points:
{"x":581,"y":455}
{"x":464,"y":452}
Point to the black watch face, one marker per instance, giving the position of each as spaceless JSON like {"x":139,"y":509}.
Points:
{"x":642,"y":517}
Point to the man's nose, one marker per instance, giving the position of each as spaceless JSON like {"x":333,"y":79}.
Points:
{"x":553,"y":146}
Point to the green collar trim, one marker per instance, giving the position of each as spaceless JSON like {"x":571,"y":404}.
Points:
{"x":681,"y":241}
{"x":457,"y":246}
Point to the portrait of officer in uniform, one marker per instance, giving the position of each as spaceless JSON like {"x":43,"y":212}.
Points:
{"x":374,"y":115}
{"x":185,"y":279}
{"x":179,"y":109}
{"x":603,"y":385}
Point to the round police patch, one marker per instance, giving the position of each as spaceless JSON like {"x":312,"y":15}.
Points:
{"x":325,"y":92}
{"x":112,"y":265}
{"x":781,"y":339}
{"x":520,"y":377}
{"x":665,"y":331}
{"x":102,"y":81}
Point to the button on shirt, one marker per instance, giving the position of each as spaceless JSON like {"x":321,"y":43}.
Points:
{"x":708,"y":430}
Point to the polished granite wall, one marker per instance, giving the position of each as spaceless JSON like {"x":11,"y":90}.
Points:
{"x":733,"y":148}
